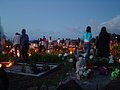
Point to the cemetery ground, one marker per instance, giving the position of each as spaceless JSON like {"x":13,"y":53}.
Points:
{"x":52,"y":79}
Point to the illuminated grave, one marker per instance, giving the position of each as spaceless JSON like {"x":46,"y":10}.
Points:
{"x":26,"y":69}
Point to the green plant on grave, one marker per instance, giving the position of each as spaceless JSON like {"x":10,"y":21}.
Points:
{"x":35,"y":57}
{"x":115,"y":73}
{"x":117,"y":51}
{"x":96,"y":61}
{"x":6,"y":58}
{"x":49,"y":58}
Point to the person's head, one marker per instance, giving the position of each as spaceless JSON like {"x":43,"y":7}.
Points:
{"x":23,"y":31}
{"x":103,"y":29}
{"x":17,"y":34}
{"x":96,"y":37}
{"x":103,"y":32}
{"x":88,"y":29}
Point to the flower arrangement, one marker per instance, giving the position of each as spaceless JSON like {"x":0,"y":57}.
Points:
{"x":115,"y":73}
{"x":116,"y":51}
{"x":83,"y":73}
{"x":66,"y":56}
{"x":103,"y":70}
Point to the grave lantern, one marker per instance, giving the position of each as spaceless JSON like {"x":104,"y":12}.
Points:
{"x":119,"y":60}
{"x":0,"y":65}
{"x":6,"y":64}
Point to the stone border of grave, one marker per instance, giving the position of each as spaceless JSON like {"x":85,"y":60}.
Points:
{"x":65,"y":85}
{"x":12,"y":70}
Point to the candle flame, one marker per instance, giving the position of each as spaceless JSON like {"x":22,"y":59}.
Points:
{"x":0,"y":65}
{"x":9,"y":65}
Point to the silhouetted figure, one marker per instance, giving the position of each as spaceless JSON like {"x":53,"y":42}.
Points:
{"x":58,"y":41}
{"x":24,"y":42}
{"x":103,"y":43}
{"x":87,"y":38}
{"x":118,"y":39}
{"x":40,"y":42}
{"x":78,"y":42}
{"x":4,"y":80}
{"x":50,"y":40}
{"x":0,"y":49}
{"x":44,"y":42}
{"x":16,"y":43}
{"x":63,"y":41}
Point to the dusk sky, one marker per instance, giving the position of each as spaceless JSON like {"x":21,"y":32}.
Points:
{"x":59,"y":18}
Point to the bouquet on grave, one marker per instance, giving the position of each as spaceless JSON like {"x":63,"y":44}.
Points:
{"x":115,"y":73}
{"x":103,"y":70}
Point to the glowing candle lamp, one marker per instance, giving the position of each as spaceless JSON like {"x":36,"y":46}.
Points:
{"x":48,"y":51}
{"x":71,"y":52}
{"x":0,"y":65}
{"x":119,"y":60}
{"x":7,"y":64}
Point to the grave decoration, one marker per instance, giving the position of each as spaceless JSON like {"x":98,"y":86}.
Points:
{"x":6,"y":64}
{"x":115,"y":73}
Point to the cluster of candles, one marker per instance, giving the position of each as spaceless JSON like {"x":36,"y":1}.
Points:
{"x":6,"y":64}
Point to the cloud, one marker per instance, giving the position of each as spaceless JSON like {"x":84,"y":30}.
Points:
{"x":39,"y":34}
{"x":73,"y":29}
{"x":74,"y":32}
{"x":95,"y":27}
{"x":113,"y":25}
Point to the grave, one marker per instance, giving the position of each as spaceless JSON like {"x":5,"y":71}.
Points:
{"x":27,"y":69}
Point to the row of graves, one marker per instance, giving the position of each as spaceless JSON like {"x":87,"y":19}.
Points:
{"x":43,"y":60}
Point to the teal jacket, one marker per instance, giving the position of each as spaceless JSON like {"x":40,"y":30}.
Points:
{"x":87,"y":36}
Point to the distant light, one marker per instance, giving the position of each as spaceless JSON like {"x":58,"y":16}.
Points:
{"x":18,"y":54}
{"x":71,"y":52}
{"x":116,"y":37}
{"x":36,"y":50}
{"x":119,"y":60}
{"x":0,"y":65}
{"x":10,"y":64}
{"x":29,"y":54}
{"x":34,"y":44}
{"x":6,"y":46}
{"x":7,"y":64}
{"x":48,"y":51}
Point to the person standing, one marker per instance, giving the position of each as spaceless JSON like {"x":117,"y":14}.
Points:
{"x":50,"y":40}
{"x":63,"y":41}
{"x":58,"y":41}
{"x":44,"y":42}
{"x":103,"y":43}
{"x":87,"y":38}
{"x":0,"y":49}
{"x":24,"y":42}
{"x":16,"y":43}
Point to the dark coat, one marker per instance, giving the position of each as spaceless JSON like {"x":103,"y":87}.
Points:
{"x":103,"y":47}
{"x":4,"y":80}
